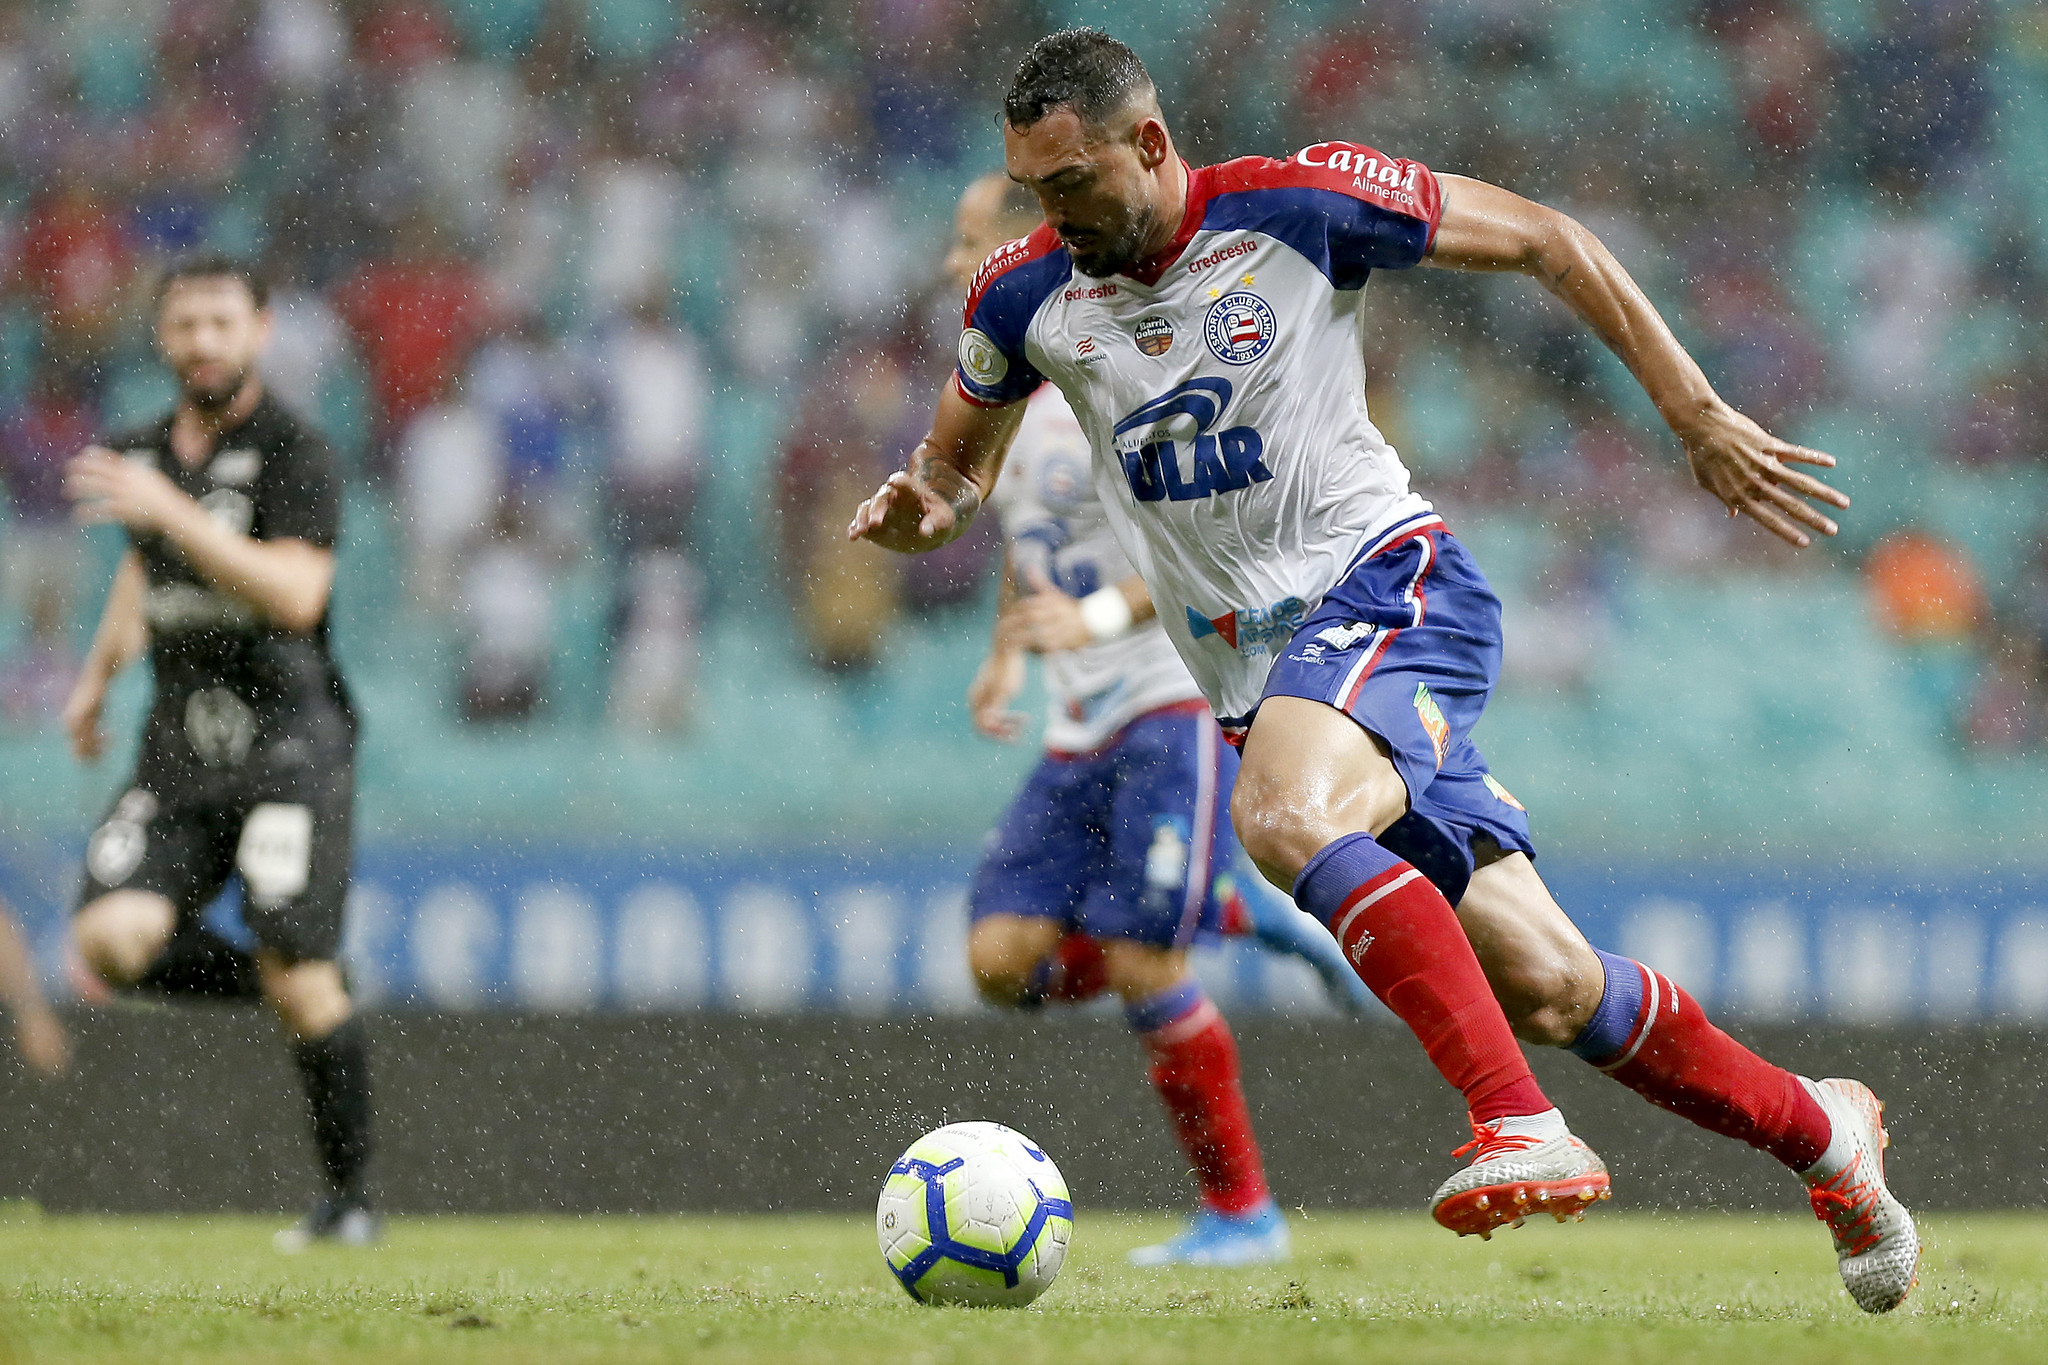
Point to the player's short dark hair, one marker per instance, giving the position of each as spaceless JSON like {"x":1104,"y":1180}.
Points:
{"x":213,"y":265}
{"x":1082,"y":69}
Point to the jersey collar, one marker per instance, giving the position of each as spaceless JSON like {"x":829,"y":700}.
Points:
{"x":1154,"y":267}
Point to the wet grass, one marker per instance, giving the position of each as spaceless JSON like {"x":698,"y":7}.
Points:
{"x":1380,"y":1287}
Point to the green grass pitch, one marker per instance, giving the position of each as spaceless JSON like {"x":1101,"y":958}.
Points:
{"x":1376,"y":1287}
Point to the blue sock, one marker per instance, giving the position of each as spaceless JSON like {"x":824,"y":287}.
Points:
{"x":1341,"y":868}
{"x":1155,"y":1012}
{"x":1608,"y":1032}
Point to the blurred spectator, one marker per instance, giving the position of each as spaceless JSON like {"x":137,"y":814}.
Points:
{"x":653,"y":402}
{"x":36,"y":677}
{"x":414,"y":316}
{"x":75,"y":260}
{"x":2003,"y":422}
{"x":39,"y":557}
{"x":1923,"y":589}
{"x":654,"y":678}
{"x":845,"y":594}
{"x":507,"y":611}
{"x":522,"y":380}
{"x":1918,"y":86}
{"x":1911,"y":273}
{"x":451,"y":480}
{"x":2005,"y":713}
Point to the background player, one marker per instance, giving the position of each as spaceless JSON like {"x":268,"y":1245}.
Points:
{"x":1112,"y":860}
{"x":1331,"y":617}
{"x":36,"y":1030}
{"x":232,"y":507}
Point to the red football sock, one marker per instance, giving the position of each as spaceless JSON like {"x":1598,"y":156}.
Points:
{"x":1404,"y":941}
{"x":1677,"y":1059}
{"x":1195,"y":1070}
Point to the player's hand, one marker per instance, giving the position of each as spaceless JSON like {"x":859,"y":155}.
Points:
{"x":82,"y":716}
{"x":1045,"y":620}
{"x":917,"y":509}
{"x":43,"y":1043}
{"x":996,"y":684}
{"x":1747,"y":468}
{"x":103,"y":488}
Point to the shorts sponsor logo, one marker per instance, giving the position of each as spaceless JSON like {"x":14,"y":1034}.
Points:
{"x":1433,"y":722}
{"x":1347,"y":636}
{"x":1239,"y":327}
{"x":1493,"y":785}
{"x":1155,"y":336}
{"x":219,"y":726}
{"x":980,"y":359}
{"x":1150,"y":440}
{"x":1252,"y":630}
{"x":275,"y":856}
{"x":116,"y":848}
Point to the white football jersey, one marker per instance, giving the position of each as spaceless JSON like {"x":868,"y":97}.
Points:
{"x":1222,"y":389}
{"x":1056,"y":525}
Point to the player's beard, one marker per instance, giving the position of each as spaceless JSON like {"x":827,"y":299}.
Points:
{"x":1116,"y":247}
{"x":212,"y":399}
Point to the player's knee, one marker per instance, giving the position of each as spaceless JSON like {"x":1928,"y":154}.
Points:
{"x":310,"y":998}
{"x":1000,"y":965}
{"x":1278,"y":826}
{"x":1138,"y":971}
{"x":119,"y":935}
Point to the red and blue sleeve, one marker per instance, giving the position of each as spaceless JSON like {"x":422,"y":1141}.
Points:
{"x":1011,"y":286}
{"x":1349,"y":209}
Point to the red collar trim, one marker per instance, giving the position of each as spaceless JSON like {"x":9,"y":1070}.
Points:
{"x":1154,"y":267}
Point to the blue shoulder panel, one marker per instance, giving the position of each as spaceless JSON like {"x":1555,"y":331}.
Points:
{"x":1344,"y":236}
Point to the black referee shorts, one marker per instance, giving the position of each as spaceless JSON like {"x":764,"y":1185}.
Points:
{"x":290,"y":842}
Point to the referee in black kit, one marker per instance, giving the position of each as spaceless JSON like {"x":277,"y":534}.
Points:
{"x":232,"y":506}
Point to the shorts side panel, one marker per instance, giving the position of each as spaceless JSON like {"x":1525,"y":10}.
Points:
{"x":1169,"y":834}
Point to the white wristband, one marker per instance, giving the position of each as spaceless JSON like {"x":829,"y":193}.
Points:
{"x":1107,"y":614}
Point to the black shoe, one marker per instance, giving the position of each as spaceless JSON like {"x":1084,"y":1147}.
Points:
{"x":347,"y":1223}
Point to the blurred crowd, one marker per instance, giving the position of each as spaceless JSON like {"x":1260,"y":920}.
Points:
{"x":537,"y":261}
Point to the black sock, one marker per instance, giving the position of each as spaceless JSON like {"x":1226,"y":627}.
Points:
{"x":199,"y":962}
{"x":336,"y":1072}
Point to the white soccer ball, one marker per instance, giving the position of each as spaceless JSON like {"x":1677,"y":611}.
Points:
{"x":975,"y":1214}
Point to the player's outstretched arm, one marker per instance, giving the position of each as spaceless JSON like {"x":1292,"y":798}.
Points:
{"x":952,"y":470}
{"x":1485,"y":227}
{"x":122,"y":635}
{"x":287,"y":580}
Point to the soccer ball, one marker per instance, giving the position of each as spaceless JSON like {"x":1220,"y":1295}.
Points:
{"x":974,"y":1214}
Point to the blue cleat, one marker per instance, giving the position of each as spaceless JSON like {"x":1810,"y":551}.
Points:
{"x":1220,"y":1239}
{"x":1278,"y":924}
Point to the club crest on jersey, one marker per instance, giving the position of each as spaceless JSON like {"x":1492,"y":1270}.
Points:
{"x":1155,"y":336}
{"x":1239,"y":327}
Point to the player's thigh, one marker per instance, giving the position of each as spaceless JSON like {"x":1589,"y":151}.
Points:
{"x":1542,"y":969}
{"x":1004,"y":949}
{"x":1168,"y":834}
{"x":1311,"y":774}
{"x":293,"y":855}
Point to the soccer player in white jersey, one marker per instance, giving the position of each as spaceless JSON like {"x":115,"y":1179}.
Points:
{"x":1335,"y":624}
{"x":1117,"y":856}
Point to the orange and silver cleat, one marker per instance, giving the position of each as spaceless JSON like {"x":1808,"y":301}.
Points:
{"x":1514,"y":1174}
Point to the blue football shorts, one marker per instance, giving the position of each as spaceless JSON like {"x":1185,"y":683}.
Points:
{"x":1122,"y":842}
{"x":1408,"y":645}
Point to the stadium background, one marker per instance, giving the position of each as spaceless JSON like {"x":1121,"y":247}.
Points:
{"x":615,"y":309}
